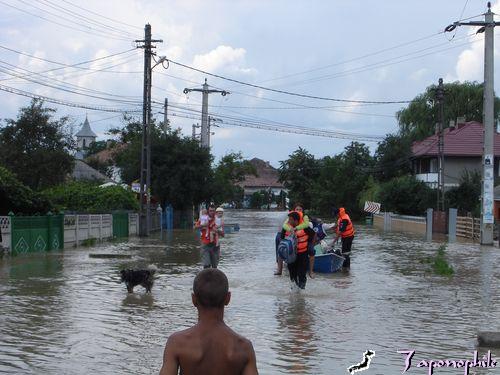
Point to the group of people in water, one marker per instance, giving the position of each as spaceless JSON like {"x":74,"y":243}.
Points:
{"x":309,"y":233}
{"x":210,"y":346}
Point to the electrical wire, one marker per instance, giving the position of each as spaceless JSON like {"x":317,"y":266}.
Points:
{"x":61,"y":24}
{"x":65,"y":102}
{"x":288,"y":92}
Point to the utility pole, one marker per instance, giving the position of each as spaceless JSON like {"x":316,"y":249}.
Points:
{"x":166,"y":128}
{"x":205,"y":125}
{"x":440,"y":189}
{"x":145,"y":170}
{"x":195,"y":126}
{"x":487,"y":26}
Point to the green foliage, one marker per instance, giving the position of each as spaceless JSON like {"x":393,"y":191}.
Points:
{"x":18,"y":198}
{"x":370,"y":192}
{"x":392,"y":157}
{"x":36,"y":147}
{"x":106,"y":168}
{"x":230,"y":170}
{"x":298,"y":174}
{"x":465,"y":99}
{"x":465,"y":197}
{"x":440,"y":264}
{"x":96,"y":147}
{"x":181,"y":171}
{"x":89,"y":197}
{"x":406,"y":195}
{"x":257,"y":199}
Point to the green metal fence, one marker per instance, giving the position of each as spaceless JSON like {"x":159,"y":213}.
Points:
{"x":120,"y":224}
{"x":36,"y":233}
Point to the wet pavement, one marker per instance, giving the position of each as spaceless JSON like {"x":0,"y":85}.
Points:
{"x":67,"y":313}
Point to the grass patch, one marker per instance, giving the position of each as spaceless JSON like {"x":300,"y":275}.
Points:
{"x":88,"y":242}
{"x":440,"y":264}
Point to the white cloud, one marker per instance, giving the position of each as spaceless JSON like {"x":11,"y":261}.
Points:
{"x":224,"y":58}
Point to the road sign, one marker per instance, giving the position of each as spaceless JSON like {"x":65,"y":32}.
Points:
{"x":136,"y":187}
{"x":372,"y":207}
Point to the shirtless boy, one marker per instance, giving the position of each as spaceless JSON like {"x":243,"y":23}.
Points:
{"x":209,"y":347}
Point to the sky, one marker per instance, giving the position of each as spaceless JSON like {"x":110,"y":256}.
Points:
{"x":368,"y":50}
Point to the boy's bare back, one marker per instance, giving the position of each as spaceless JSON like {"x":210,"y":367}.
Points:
{"x":208,"y":349}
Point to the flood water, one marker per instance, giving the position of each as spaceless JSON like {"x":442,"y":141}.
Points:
{"x":67,"y":313}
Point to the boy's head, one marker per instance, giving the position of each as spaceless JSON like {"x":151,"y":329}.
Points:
{"x":211,"y":289}
{"x":219,"y":211}
{"x":293,"y":218}
{"x":298,"y":207}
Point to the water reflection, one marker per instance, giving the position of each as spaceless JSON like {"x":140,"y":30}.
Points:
{"x":66,"y":312}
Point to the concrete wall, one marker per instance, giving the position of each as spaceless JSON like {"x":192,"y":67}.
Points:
{"x":78,"y":228}
{"x":5,"y":229}
{"x":454,"y":168}
{"x":400,"y":223}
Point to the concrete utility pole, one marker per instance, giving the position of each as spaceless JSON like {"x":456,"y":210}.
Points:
{"x":487,"y":26}
{"x":195,"y":126}
{"x":440,"y":190}
{"x":145,"y":171}
{"x":166,"y":126}
{"x":205,"y":125}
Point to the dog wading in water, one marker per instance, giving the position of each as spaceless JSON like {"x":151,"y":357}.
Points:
{"x":144,"y":278}
{"x":209,"y":347}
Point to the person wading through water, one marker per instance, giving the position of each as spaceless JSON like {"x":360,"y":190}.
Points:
{"x":210,"y":346}
{"x":298,"y":269}
{"x":345,"y":231}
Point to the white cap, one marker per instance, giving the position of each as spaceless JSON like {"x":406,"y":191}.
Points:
{"x":219,"y":209}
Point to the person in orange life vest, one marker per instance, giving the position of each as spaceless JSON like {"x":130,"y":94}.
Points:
{"x":306,"y":225}
{"x":210,"y":254}
{"x":303,"y":224}
{"x":345,"y":231}
{"x":298,"y":269}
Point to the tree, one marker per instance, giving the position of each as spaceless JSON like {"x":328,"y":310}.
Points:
{"x":466,"y":196}
{"x":36,"y":147}
{"x":230,"y":170}
{"x":96,"y":147}
{"x":18,"y":198}
{"x":181,"y":171}
{"x":342,"y":178}
{"x":257,"y":199}
{"x":298,"y":173}
{"x":393,"y":157}
{"x":418,"y":120}
{"x":406,"y":195}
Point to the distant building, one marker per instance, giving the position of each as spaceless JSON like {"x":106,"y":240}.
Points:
{"x":84,"y":138}
{"x":84,"y":172}
{"x":266,"y":179}
{"x":463,"y":151}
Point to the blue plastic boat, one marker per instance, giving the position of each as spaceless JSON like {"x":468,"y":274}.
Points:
{"x":328,"y":263}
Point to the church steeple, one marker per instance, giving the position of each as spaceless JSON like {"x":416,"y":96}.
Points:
{"x":85,"y":137}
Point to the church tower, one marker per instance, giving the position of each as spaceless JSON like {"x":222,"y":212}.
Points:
{"x":84,"y":138}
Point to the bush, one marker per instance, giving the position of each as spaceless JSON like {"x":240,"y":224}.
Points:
{"x":18,"y":198}
{"x":406,"y":195}
{"x":89,"y":197}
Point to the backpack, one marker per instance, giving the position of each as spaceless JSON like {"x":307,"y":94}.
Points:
{"x":287,"y":249}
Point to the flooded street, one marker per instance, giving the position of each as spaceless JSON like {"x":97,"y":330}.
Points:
{"x":67,"y":313}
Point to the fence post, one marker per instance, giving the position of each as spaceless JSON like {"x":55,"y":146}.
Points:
{"x":452,"y":224}
{"x":387,"y":221}
{"x":428,"y":232}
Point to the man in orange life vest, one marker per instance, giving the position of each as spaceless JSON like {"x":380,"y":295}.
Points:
{"x":345,"y":231}
{"x":298,"y":269}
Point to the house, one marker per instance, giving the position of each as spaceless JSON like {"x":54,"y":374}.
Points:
{"x":266,"y":179}
{"x":83,"y":171}
{"x":463,"y":151}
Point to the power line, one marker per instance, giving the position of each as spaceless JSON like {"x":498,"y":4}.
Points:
{"x":64,"y":102}
{"x":287,"y":92}
{"x":86,"y":19}
{"x":100,"y":15}
{"x":61,"y":24}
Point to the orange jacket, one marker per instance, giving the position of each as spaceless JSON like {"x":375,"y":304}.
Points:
{"x":349,"y":229}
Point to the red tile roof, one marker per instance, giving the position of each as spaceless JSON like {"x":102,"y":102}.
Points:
{"x":267,"y":176}
{"x":465,"y":140}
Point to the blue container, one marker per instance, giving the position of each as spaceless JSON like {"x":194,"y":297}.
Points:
{"x":328,"y":263}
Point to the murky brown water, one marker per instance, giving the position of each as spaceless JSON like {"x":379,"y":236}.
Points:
{"x":66,"y":313}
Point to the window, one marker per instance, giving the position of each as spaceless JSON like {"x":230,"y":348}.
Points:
{"x":83,"y":142}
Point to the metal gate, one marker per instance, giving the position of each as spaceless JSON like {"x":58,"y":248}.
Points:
{"x":36,"y":233}
{"x":120,"y":224}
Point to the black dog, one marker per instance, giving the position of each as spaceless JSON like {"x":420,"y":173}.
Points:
{"x":144,"y":278}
